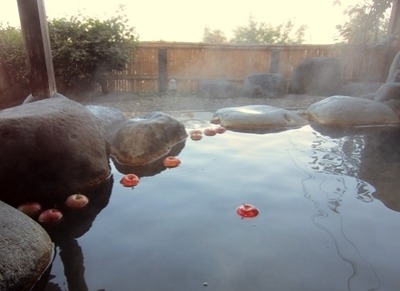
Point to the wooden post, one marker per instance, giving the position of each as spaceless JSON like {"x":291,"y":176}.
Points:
{"x":394,"y":21}
{"x":394,"y":26}
{"x":37,"y":45}
{"x":162,"y":70}
{"x":274,"y":63}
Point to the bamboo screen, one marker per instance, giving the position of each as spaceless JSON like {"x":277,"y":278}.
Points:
{"x":189,"y":63}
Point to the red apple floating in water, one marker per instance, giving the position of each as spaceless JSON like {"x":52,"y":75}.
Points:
{"x":247,"y":211}
{"x":196,"y":136}
{"x":171,"y":162}
{"x":195,"y":131}
{"x":130,"y":180}
{"x":31,"y":209}
{"x":76,"y":201}
{"x":220,"y":129}
{"x":209,"y":131}
{"x":50,"y":217}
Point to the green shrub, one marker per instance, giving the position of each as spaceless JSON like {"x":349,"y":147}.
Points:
{"x":86,"y":49}
{"x":13,"y":57}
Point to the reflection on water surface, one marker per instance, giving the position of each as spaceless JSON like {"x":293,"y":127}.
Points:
{"x":329,"y":218}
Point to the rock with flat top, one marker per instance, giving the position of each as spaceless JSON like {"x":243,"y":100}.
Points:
{"x":351,"y":111}
{"x":257,"y":117}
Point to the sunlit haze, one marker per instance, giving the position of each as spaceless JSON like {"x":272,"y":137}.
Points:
{"x":184,"y":21}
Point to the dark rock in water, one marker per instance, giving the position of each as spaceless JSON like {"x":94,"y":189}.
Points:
{"x":264,"y":85}
{"x":25,"y":248}
{"x":351,"y":111}
{"x":151,"y":168}
{"x":50,"y":149}
{"x":317,"y":76}
{"x":217,"y":89}
{"x":109,"y":117}
{"x":146,"y":138}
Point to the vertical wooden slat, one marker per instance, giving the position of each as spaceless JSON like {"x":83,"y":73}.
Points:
{"x":162,"y":70}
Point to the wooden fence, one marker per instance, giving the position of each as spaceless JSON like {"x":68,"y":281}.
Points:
{"x":155,"y":63}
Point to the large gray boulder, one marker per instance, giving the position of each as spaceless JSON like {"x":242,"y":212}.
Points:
{"x":146,"y":138}
{"x":257,"y":117}
{"x":351,"y":111}
{"x":359,"y":89}
{"x":394,"y":71}
{"x":266,"y":85}
{"x":217,"y":88}
{"x":25,"y":248}
{"x":388,"y":91}
{"x":316,"y":76}
{"x":50,"y":149}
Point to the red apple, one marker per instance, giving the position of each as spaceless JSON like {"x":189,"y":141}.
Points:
{"x":209,"y":132}
{"x":220,"y":129}
{"x":31,"y":209}
{"x":50,"y":217}
{"x":195,"y":131}
{"x":196,"y":136}
{"x":76,"y":201}
{"x":130,"y":180}
{"x":247,"y":211}
{"x":171,"y":162}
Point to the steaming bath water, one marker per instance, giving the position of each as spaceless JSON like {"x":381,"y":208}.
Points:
{"x":328,"y":218}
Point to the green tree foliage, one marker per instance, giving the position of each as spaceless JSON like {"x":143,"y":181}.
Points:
{"x":213,"y":36}
{"x":13,"y":57}
{"x":86,"y":49}
{"x":262,"y":33}
{"x":367,"y":24}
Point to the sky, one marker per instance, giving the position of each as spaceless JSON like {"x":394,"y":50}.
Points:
{"x":185,"y":20}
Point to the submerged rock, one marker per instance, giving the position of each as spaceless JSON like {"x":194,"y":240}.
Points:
{"x":351,"y":111}
{"x":146,"y":138}
{"x":257,"y":117}
{"x":25,"y":248}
